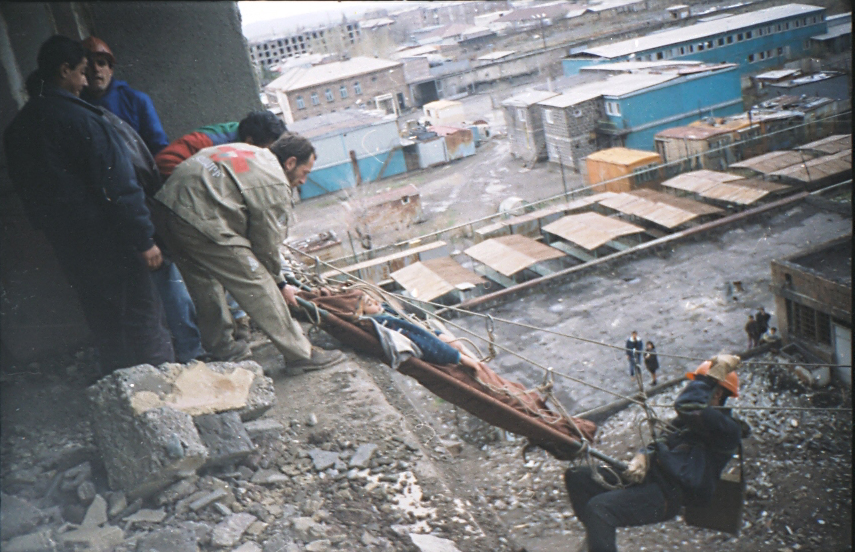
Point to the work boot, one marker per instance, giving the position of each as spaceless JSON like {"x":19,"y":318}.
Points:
{"x":320,"y":359}
{"x":237,"y":352}
{"x":241,"y":332}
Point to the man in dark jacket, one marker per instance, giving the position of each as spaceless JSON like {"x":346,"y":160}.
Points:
{"x":73,"y":175}
{"x":681,"y":469}
{"x":762,"y":318}
{"x":634,"y":346}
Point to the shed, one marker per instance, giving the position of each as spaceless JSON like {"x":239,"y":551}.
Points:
{"x":767,"y":163}
{"x":584,"y":235}
{"x":506,"y":259}
{"x":352,"y":146}
{"x":661,"y":209}
{"x":459,"y":142}
{"x":722,"y":187}
{"x":437,"y":278}
{"x":621,"y":169}
{"x":444,"y":112}
{"x":828,"y":145}
{"x":393,"y":209}
{"x":379,"y":269}
{"x":822,"y":171}
{"x":523,"y":119}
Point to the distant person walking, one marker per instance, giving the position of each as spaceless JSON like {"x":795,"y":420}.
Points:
{"x":651,"y":360}
{"x":762,"y":318}
{"x":633,"y":347}
{"x":752,"y":330}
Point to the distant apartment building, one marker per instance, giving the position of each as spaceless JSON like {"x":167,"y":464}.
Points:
{"x":326,"y":40}
{"x":445,"y":13}
{"x":755,"y":41}
{"x":303,"y":92}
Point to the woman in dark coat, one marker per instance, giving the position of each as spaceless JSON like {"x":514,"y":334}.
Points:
{"x":651,"y":361}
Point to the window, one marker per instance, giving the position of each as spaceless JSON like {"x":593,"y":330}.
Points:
{"x":613,"y":108}
{"x":691,"y":47}
{"x":808,"y":323}
{"x":740,"y":37}
{"x":300,"y":103}
{"x":748,"y":35}
{"x":682,"y":50}
{"x":760,"y":31}
{"x":778,"y":27}
{"x":357,"y":89}
{"x":780,"y":50}
{"x":730,"y":39}
{"x":521,"y":115}
{"x":721,"y":41}
{"x":750,"y":58}
{"x":787,"y":26}
{"x":701,"y":47}
{"x":762,"y":55}
{"x":659,"y":55}
{"x":710,"y":45}
{"x":328,"y":94}
{"x":315,"y":100}
{"x":797,"y":23}
{"x":343,"y":91}
{"x":577,"y":113}
{"x":547,"y":113}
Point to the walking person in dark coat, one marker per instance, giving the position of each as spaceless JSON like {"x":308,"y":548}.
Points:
{"x":72,"y":172}
{"x":633,"y":347}
{"x":651,"y":360}
{"x":762,"y":318}
{"x":753,"y":331}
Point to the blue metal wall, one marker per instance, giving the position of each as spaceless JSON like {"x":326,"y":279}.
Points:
{"x":338,"y":177}
{"x":676,"y":103}
{"x":791,"y":41}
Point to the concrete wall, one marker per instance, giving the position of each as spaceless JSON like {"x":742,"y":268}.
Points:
{"x":189,"y":57}
{"x":570,"y":135}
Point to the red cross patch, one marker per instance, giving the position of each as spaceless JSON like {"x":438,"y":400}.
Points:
{"x":236,"y":157}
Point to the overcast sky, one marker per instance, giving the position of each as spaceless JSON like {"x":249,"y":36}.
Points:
{"x":252,"y":12}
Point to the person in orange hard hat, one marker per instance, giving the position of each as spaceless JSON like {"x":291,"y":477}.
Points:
{"x":680,"y":469}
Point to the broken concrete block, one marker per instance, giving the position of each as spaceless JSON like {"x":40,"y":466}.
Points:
{"x":209,"y":498}
{"x":248,"y":547}
{"x":17,"y":516}
{"x":307,"y":529}
{"x":33,"y":542}
{"x":229,"y":531}
{"x":96,"y":514}
{"x":74,"y":477}
{"x":321,"y":545}
{"x":116,"y":503}
{"x":430,"y":543}
{"x":147,"y":516}
{"x":225,"y":437}
{"x":323,"y":459}
{"x":269,"y":477}
{"x":362,"y":456}
{"x":262,"y":426}
{"x":95,"y":538}
{"x":171,"y":538}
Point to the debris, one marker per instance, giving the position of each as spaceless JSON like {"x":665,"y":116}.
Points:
{"x":229,"y":531}
{"x":33,"y":542}
{"x":225,"y":437}
{"x":323,"y":459}
{"x":17,"y":516}
{"x":147,"y":516}
{"x":96,"y":515}
{"x":207,"y":499}
{"x":362,"y":456}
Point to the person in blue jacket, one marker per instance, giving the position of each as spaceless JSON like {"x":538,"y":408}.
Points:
{"x":75,"y":179}
{"x":681,"y":469}
{"x":133,"y":106}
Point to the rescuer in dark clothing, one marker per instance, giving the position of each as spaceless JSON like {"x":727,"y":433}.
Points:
{"x":73,"y":175}
{"x":682,"y":469}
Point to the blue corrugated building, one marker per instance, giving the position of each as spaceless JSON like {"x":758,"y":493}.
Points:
{"x":755,"y":41}
{"x":347,"y":141}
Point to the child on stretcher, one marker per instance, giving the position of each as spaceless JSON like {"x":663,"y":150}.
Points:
{"x":437,"y":348}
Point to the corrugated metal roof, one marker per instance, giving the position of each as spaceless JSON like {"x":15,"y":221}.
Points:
{"x":777,"y":75}
{"x":682,"y":203}
{"x":733,"y":193}
{"x":700,"y":30}
{"x":834,"y":32}
{"x":583,"y":202}
{"x":427,"y":280}
{"x":624,"y":156}
{"x":334,"y":123}
{"x":698,"y":181}
{"x":350,"y":269}
{"x":831,"y":144}
{"x":662,"y":214}
{"x":507,"y":255}
{"x":770,"y":162}
{"x":591,"y":230}
{"x":299,"y":78}
{"x":692,"y":132}
{"x":821,"y":167}
{"x":614,"y":85}
{"x":529,"y":98}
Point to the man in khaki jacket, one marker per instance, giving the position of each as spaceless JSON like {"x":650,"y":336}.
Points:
{"x":224,"y":214}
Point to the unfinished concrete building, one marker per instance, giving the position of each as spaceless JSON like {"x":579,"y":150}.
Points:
{"x":813,"y":302}
{"x":525,"y":124}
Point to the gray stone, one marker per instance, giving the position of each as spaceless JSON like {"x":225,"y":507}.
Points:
{"x":170,"y":538}
{"x":269,"y":477}
{"x":177,"y":491}
{"x":323,"y":459}
{"x":86,"y":492}
{"x":222,"y":509}
{"x":362,"y":456}
{"x":280,"y":543}
{"x":17,"y":516}
{"x":116,"y":503}
{"x":95,"y":538}
{"x":248,"y":547}
{"x":33,"y":542}
{"x":225,"y":436}
{"x":147,"y":516}
{"x":229,"y":531}
{"x":262,"y":426}
{"x":73,"y":477}
{"x":213,"y":496}
{"x":321,"y":545}
{"x":430,"y":543}
{"x":307,"y":529}
{"x":96,"y":515}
